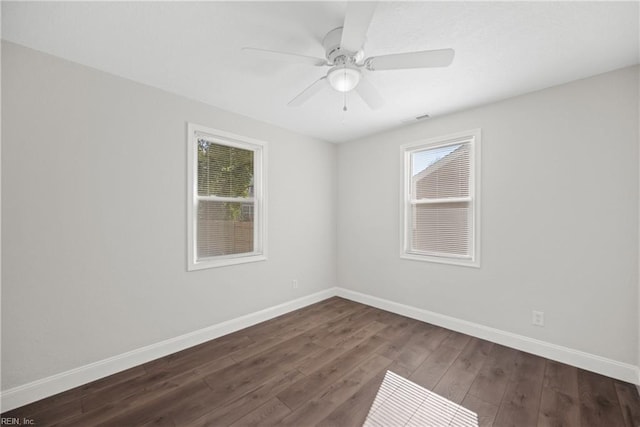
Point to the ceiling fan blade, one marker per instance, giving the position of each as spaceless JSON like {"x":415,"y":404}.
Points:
{"x":421,"y":59}
{"x":309,"y":92}
{"x":285,"y":56}
{"x":369,"y":94}
{"x":356,"y":23}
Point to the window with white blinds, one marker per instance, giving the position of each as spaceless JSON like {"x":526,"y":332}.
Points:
{"x":441,"y":182}
{"x":226,"y":208}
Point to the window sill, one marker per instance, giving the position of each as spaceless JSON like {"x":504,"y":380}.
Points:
{"x":441,"y":260}
{"x":224,"y":262}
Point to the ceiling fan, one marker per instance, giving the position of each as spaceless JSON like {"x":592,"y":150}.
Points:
{"x":344,"y":54}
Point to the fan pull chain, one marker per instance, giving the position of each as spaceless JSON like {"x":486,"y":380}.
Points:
{"x":345,"y":93}
{"x":344,"y":109}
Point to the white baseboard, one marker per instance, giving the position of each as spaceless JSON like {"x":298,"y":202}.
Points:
{"x":611,"y":368}
{"x":36,"y":390}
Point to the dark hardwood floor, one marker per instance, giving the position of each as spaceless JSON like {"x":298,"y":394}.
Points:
{"x":322,"y":365}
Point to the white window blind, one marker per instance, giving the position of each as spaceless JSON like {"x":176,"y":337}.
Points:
{"x":440,"y":199}
{"x":227,"y":207}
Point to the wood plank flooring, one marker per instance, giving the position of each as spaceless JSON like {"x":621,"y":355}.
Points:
{"x":322,"y":365}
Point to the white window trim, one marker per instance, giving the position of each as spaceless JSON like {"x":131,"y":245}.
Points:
{"x":259,"y":148}
{"x":473,"y":136}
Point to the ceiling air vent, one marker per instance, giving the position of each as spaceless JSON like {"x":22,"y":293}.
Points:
{"x":416,"y":119}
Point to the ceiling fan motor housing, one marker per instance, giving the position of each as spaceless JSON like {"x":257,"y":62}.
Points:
{"x":335,"y":54}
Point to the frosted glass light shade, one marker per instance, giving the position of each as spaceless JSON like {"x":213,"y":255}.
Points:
{"x":344,"y":79}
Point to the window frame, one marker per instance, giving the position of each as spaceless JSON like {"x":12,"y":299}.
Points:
{"x":473,"y":137}
{"x":259,"y":148}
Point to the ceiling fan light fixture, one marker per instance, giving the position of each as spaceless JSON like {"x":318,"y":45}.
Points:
{"x":344,"y":79}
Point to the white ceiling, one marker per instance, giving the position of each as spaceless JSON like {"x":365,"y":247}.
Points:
{"x":194,"y":49}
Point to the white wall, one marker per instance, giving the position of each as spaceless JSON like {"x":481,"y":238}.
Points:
{"x":559,"y":218}
{"x":94,"y":218}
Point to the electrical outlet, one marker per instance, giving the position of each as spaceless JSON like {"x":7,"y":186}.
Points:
{"x":537,"y":318}
{"x":294,"y":284}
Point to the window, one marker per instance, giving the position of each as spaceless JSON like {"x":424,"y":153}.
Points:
{"x":441,"y":182}
{"x":226,"y":210}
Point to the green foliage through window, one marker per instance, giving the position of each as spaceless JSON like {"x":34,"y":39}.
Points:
{"x":226,"y":171}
